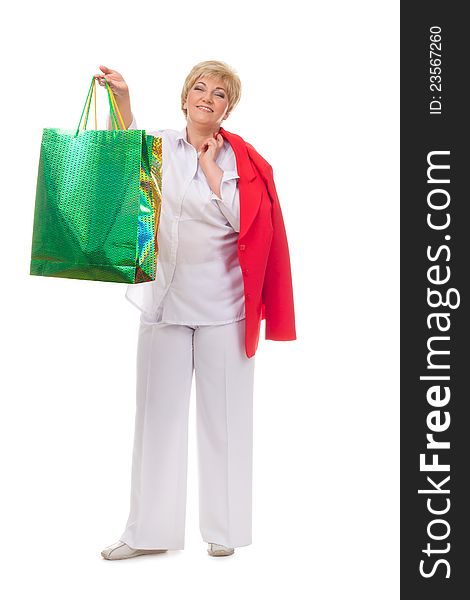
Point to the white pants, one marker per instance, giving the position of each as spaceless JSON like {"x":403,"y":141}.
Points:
{"x":166,"y":357}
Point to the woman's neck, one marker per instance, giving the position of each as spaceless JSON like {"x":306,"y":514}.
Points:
{"x":197,"y":135}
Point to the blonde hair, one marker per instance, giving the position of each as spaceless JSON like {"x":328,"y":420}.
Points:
{"x":214,"y":68}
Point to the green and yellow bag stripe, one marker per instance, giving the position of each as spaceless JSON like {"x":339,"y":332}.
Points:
{"x":98,"y":201}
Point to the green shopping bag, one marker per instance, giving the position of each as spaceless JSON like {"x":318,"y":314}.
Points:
{"x":98,"y":201}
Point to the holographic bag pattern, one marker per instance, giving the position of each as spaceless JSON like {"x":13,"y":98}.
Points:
{"x":98,"y":201}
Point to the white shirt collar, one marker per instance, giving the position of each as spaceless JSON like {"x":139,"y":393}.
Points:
{"x":182,"y":135}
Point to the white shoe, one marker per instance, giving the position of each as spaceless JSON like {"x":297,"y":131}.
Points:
{"x":120,"y":550}
{"x":218,"y":550}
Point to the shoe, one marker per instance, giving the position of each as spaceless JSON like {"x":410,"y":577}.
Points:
{"x":218,"y":550}
{"x":120,"y":550}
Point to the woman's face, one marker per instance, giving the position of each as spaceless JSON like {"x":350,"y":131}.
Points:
{"x":207,"y":102}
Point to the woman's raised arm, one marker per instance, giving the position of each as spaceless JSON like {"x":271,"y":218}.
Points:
{"x":120,"y":90}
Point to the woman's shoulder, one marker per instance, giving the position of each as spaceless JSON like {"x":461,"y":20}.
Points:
{"x":254,"y":155}
{"x":167,"y":133}
{"x":261,"y":163}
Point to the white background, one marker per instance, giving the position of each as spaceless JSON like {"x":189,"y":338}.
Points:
{"x":320,"y":103}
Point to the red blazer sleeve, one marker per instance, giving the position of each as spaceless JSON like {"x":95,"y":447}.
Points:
{"x":277,"y":294}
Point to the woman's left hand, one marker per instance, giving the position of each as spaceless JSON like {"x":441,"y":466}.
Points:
{"x":210,"y":149}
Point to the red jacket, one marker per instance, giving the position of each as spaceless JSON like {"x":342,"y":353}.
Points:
{"x":263,"y":251}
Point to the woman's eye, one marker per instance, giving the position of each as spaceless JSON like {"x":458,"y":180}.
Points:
{"x":200,"y":89}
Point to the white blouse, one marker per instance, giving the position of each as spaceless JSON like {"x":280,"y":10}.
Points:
{"x":198,"y":276}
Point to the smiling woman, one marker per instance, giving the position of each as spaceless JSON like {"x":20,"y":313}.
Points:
{"x":223,"y":266}
{"x":206,"y":106}
{"x":210,"y":93}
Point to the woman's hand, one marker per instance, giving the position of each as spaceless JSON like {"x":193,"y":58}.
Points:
{"x":210,"y":150}
{"x":120,"y":90}
{"x":115,"y":81}
{"x":207,"y":161}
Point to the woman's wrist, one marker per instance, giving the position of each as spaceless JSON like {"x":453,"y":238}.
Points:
{"x":213,"y":174}
{"x":124,"y":105}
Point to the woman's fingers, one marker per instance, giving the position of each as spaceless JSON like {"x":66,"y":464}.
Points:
{"x":115,"y":80}
{"x":108,"y":73}
{"x":100,"y":79}
{"x":210,"y":148}
{"x":109,"y":78}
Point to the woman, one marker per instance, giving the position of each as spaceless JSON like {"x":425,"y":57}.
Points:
{"x":222,"y":266}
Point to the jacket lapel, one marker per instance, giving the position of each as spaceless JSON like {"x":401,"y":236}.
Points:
{"x":250,"y":194}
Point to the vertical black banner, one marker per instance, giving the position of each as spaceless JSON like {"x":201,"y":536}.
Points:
{"x":435,"y":314}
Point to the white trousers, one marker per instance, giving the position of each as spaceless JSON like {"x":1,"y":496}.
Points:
{"x":166,"y":357}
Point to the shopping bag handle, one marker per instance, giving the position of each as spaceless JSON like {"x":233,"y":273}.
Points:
{"x":117,"y":121}
{"x":116,"y":113}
